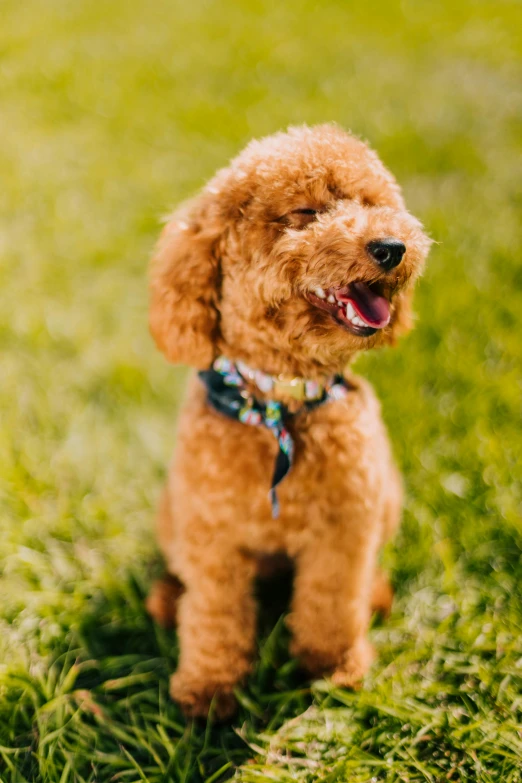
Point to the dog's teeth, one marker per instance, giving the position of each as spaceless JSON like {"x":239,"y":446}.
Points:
{"x":350,"y":311}
{"x":352,"y":316}
{"x":319,"y":292}
{"x":331,"y":299}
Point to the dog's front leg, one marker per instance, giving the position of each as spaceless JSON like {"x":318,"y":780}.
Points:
{"x":216,"y":626}
{"x":331,"y":604}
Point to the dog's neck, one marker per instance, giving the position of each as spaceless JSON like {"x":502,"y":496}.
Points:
{"x":277,"y":363}
{"x":277,"y":387}
{"x":292,"y":391}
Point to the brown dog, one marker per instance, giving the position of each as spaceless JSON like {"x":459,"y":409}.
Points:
{"x":293,"y":259}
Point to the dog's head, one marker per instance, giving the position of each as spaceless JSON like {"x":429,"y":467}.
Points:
{"x":296,"y":257}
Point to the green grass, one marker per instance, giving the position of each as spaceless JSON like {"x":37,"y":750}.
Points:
{"x":112,"y":112}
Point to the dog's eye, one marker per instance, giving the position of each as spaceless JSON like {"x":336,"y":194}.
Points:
{"x":300,"y":218}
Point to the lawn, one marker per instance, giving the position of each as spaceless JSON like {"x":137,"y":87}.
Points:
{"x":110,"y":114}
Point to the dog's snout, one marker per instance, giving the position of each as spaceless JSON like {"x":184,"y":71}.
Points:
{"x":387,"y":252}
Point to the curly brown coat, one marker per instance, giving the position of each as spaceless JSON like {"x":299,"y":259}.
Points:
{"x":235,"y":274}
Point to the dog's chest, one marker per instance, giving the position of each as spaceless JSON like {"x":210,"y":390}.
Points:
{"x":224,"y":468}
{"x":337,"y":448}
{"x":341,"y":463}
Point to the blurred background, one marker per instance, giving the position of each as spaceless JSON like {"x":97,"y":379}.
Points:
{"x":113,"y":112}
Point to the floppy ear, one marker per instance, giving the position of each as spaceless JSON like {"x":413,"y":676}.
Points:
{"x":184,"y":317}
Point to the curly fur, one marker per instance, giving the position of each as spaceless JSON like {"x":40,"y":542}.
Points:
{"x":230,"y":276}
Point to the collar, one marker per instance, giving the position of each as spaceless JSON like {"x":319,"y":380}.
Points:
{"x":228,"y":393}
{"x":277,"y":387}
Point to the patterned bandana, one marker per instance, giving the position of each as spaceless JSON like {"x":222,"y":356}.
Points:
{"x":226,"y":384}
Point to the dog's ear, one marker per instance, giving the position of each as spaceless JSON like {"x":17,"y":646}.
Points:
{"x":403,"y":317}
{"x":184,"y":283}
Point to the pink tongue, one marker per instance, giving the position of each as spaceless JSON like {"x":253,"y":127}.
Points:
{"x":371,"y":307}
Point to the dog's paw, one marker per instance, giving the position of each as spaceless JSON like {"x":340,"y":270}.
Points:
{"x":162,"y":601}
{"x":200,"y":699}
{"x":355,"y":665}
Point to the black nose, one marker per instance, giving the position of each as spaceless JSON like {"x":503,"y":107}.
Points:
{"x":387,"y":252}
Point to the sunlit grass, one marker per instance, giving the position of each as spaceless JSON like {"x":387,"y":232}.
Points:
{"x":110,"y":114}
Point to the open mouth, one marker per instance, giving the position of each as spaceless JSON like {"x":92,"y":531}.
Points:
{"x":359,"y":307}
